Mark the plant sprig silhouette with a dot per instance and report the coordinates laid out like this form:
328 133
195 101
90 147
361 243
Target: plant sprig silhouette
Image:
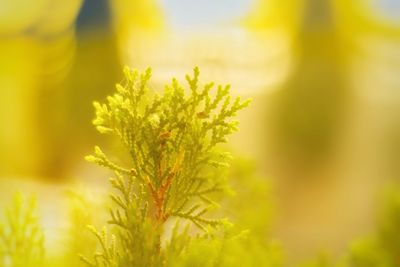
171 140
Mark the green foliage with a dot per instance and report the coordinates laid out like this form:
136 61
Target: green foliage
211 249
383 247
83 209
171 140
21 237
224 246
322 260
255 212
250 210
368 253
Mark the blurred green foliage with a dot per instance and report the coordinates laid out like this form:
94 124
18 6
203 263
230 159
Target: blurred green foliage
382 247
21 236
246 243
378 249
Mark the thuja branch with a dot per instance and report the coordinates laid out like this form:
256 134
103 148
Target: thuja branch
21 236
171 139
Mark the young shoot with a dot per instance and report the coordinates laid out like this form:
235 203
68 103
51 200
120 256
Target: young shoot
173 173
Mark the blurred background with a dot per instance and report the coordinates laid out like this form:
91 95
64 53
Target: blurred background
323 127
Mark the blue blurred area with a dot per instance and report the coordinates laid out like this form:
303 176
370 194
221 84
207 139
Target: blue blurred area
94 13
388 8
190 14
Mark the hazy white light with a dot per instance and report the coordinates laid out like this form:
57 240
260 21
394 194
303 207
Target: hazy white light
190 14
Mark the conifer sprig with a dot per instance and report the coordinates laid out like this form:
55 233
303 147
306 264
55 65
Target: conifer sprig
170 139
21 237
